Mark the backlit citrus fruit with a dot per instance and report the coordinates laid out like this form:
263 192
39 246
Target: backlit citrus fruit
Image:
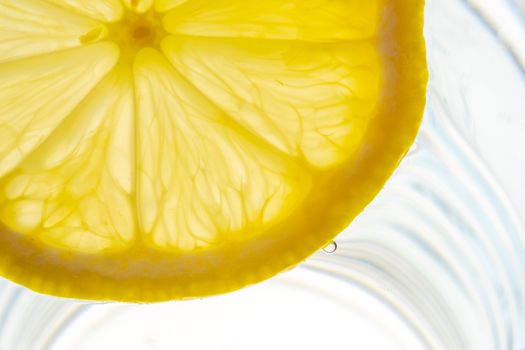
168 149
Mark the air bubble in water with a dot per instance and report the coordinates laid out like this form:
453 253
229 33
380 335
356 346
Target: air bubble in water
331 248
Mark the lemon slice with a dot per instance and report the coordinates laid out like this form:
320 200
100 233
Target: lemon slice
171 149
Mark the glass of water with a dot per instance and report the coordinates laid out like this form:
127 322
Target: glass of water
437 261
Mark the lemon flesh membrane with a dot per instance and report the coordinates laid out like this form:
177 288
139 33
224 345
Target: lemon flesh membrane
171 149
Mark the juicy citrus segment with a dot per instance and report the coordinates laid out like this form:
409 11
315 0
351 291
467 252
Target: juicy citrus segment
166 5
307 99
201 181
312 20
104 10
74 191
140 6
30 28
38 93
170 149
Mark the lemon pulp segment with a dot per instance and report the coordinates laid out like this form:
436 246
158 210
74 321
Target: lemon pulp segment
169 149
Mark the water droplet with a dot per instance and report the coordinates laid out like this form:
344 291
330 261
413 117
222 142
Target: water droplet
331 248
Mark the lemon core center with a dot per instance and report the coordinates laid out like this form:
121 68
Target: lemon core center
137 31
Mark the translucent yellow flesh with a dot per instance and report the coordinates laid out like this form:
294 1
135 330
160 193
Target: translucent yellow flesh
308 100
103 10
201 180
74 191
311 20
216 146
138 128
38 93
165 5
138 5
30 28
